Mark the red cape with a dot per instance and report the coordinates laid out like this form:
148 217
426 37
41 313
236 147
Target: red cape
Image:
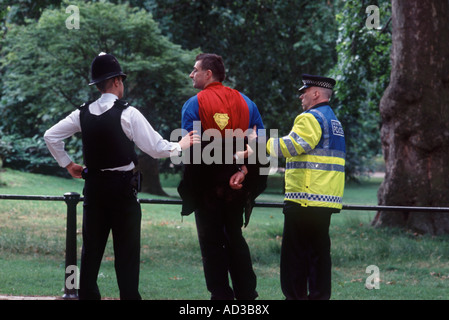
222 108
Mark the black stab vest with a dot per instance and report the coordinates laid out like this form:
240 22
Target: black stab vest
105 145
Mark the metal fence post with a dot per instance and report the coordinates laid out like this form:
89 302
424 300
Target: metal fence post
71 199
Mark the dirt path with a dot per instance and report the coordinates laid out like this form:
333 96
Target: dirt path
6 297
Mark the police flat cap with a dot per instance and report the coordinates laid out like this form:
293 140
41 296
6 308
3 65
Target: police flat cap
309 80
105 66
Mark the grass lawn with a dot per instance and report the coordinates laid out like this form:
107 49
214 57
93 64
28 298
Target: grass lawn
32 247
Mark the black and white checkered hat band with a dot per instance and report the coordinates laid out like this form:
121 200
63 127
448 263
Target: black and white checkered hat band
316 83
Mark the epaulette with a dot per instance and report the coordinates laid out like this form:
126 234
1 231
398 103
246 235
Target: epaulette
84 105
121 104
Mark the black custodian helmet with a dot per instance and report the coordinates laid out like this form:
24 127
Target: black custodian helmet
103 67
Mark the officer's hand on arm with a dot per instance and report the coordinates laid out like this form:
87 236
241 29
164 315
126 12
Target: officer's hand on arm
189 139
237 178
253 134
75 170
244 154
249 151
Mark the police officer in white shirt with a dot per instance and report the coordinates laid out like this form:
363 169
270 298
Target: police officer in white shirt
110 129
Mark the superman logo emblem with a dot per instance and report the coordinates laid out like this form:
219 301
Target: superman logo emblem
221 119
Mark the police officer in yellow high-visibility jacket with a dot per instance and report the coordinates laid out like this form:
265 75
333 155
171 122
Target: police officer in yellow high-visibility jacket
314 183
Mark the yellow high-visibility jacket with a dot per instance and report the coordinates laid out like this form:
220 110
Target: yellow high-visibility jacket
315 158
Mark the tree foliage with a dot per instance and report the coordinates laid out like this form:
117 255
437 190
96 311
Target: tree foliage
266 45
18 11
46 66
362 73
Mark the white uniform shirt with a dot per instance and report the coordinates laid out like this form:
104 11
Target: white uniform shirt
134 125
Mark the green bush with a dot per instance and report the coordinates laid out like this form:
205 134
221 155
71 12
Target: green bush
28 154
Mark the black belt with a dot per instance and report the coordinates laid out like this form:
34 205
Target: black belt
135 177
105 173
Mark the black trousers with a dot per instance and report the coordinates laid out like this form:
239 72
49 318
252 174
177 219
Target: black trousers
224 249
305 253
110 205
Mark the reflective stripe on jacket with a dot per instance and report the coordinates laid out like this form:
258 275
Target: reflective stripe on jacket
315 159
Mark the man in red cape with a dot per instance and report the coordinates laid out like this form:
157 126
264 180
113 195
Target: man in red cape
206 189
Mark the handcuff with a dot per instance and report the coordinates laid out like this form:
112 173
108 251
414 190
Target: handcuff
239 168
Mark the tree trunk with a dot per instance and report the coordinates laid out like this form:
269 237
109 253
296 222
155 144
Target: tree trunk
150 171
415 117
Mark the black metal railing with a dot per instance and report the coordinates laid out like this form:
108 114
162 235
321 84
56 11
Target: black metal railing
72 199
